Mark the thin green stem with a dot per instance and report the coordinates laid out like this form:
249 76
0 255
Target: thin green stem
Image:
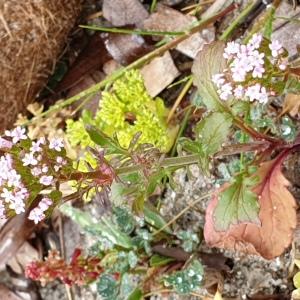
183 92
153 6
132 31
137 64
228 32
181 130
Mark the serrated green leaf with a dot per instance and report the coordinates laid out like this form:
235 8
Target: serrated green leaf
104 141
237 204
208 62
212 131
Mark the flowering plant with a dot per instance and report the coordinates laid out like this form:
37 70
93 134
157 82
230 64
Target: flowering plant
252 70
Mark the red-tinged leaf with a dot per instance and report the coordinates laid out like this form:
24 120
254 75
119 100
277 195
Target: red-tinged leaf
277 215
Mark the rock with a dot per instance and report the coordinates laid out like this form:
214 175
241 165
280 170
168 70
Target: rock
168 19
124 12
159 73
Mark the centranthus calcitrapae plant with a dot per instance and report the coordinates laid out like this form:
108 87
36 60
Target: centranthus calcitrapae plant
246 213
235 81
31 172
252 71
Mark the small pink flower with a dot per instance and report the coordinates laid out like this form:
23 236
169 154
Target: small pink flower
45 203
258 72
225 92
36 215
45 169
35 147
5 143
239 92
36 171
218 80
255 41
18 207
29 159
56 144
231 48
17 134
46 180
276 48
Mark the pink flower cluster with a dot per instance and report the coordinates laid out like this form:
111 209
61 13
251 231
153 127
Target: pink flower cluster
13 192
246 66
37 214
38 163
41 158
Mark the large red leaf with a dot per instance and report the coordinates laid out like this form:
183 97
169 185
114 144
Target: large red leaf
277 215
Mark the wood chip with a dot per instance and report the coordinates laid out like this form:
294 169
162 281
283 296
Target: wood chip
159 73
168 19
124 12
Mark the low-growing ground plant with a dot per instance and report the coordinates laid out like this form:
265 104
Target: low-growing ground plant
124 146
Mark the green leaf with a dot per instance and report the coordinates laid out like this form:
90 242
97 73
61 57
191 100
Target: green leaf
188 280
104 141
104 227
136 295
237 204
212 131
208 62
155 219
158 260
124 219
107 287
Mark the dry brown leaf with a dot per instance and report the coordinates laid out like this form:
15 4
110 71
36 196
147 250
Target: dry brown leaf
291 105
124 12
277 215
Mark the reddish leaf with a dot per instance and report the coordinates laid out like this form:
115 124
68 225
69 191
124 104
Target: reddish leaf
277 215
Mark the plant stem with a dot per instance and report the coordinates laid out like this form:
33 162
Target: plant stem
179 98
181 130
132 31
153 6
137 64
228 32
